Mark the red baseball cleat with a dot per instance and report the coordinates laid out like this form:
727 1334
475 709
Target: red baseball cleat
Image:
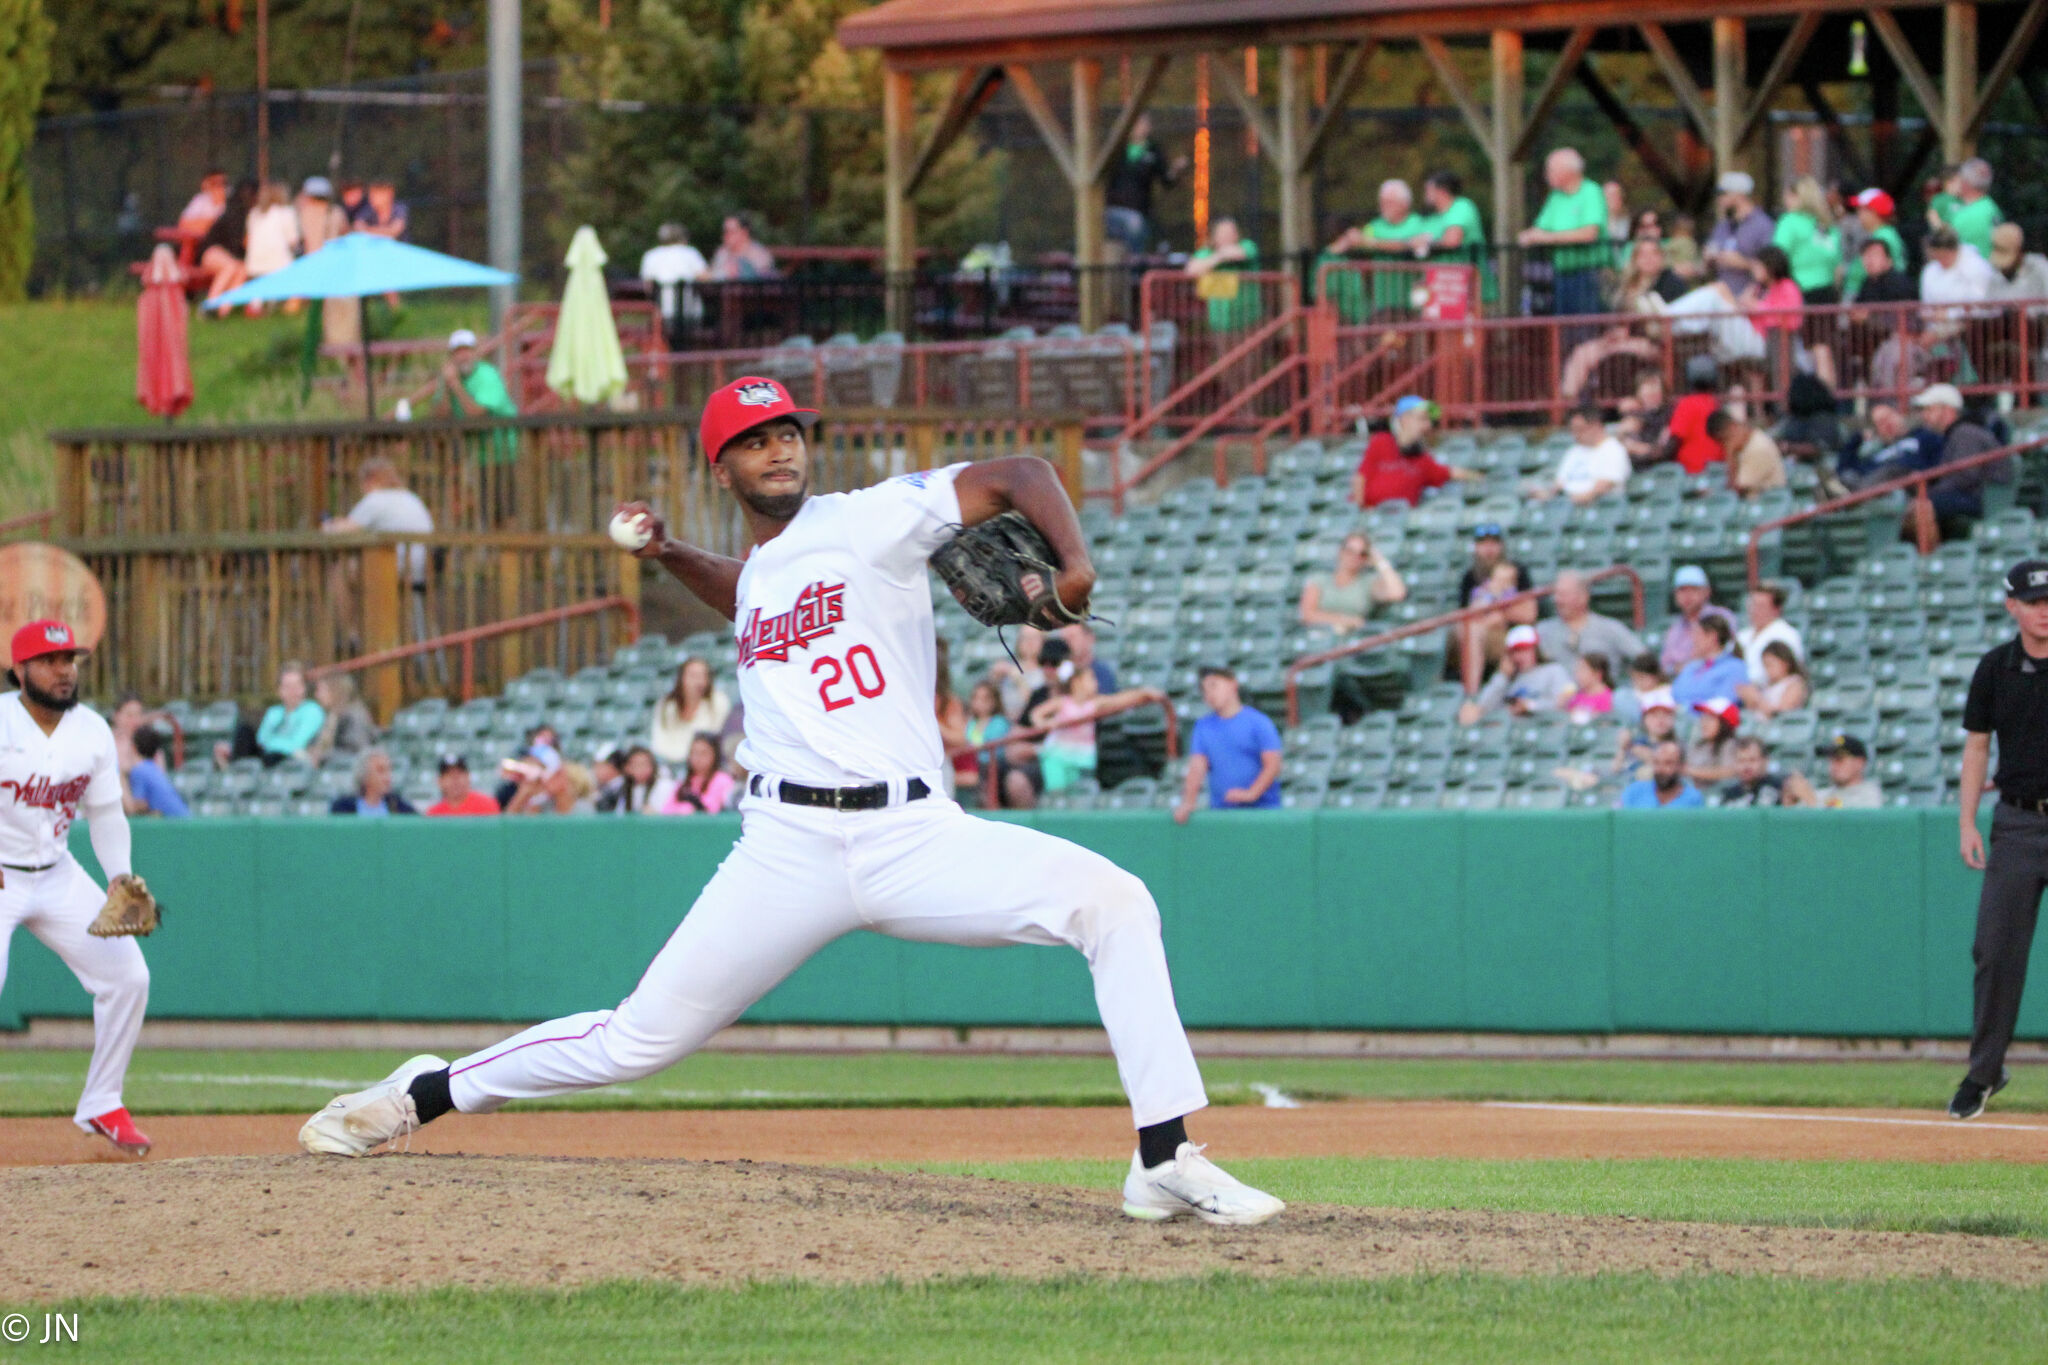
116 1127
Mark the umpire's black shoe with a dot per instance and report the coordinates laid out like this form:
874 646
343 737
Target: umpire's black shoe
1970 1096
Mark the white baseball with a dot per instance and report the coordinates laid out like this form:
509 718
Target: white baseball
630 532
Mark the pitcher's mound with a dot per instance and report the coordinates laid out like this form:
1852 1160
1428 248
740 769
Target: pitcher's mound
295 1225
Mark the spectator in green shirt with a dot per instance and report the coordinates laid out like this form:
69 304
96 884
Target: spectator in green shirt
1972 212
1807 235
1398 232
1457 233
1231 306
1574 221
472 388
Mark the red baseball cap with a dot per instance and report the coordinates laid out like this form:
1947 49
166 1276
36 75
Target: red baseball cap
38 638
1877 201
1722 709
742 405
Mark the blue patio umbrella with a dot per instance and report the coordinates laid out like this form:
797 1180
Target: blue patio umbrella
360 264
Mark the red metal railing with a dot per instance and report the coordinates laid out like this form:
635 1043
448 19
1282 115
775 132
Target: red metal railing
1449 618
16 525
1149 696
1926 533
467 640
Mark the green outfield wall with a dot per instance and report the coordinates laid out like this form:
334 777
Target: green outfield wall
1715 921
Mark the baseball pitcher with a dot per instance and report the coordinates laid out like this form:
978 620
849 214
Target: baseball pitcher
844 822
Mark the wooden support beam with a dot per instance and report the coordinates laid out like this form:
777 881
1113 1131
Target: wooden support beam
1669 177
899 217
1296 230
1223 68
1731 100
1567 65
1089 193
1958 80
973 88
1047 122
1789 53
1510 149
1447 75
1342 82
1924 90
1135 102
2017 47
1690 98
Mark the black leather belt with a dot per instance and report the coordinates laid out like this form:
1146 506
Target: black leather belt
12 868
872 797
2037 807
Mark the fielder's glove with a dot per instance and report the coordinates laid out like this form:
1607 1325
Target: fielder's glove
130 909
1003 572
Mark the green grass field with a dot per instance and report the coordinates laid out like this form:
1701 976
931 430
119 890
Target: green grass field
1436 1319
37 1082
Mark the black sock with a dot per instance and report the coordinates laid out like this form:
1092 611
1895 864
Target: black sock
1158 1142
429 1091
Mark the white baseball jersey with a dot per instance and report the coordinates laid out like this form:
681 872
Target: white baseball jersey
836 650
46 779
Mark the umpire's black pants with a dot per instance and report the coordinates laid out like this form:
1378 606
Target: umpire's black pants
2014 877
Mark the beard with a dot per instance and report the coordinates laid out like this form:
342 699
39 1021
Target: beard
774 506
46 700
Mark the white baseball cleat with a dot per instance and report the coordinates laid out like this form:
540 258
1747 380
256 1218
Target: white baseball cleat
351 1125
1191 1185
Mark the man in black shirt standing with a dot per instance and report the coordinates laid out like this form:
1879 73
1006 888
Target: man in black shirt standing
2008 698
1137 167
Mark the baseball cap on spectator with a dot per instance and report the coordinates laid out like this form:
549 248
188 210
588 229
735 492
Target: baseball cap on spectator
742 405
1522 637
1721 709
1846 746
1736 182
1942 395
450 762
46 636
460 338
1411 403
2027 581
1488 530
317 187
1659 699
1690 576
1877 201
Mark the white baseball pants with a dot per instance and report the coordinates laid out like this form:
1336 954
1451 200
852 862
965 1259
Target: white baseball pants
924 870
56 906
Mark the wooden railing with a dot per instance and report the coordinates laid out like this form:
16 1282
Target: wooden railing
1449 618
560 473
209 616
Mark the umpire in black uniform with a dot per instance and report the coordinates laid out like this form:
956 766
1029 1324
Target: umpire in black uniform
2008 698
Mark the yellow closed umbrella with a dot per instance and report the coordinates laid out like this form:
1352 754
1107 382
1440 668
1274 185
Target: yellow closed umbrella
586 363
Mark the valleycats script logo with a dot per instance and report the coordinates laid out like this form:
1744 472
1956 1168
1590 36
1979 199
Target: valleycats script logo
40 793
817 612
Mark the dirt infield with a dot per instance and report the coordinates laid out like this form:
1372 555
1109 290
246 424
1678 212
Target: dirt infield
858 1136
249 1226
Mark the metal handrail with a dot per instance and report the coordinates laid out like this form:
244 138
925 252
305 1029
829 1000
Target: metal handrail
1184 442
1449 618
468 639
1926 534
1147 696
23 523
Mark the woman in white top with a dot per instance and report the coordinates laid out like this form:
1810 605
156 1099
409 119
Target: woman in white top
693 706
273 231
1785 687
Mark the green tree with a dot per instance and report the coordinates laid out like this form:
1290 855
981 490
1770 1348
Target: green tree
24 66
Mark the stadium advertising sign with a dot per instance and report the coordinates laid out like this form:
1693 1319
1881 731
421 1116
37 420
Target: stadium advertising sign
38 580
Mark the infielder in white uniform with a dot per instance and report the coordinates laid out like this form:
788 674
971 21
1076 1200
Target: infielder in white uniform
56 757
845 826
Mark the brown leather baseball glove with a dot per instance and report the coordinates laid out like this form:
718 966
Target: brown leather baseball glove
130 909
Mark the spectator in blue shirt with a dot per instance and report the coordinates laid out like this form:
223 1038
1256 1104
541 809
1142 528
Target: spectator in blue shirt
1235 749
1716 669
373 796
149 788
1666 787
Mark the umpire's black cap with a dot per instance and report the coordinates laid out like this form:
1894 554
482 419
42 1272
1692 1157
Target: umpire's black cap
2027 581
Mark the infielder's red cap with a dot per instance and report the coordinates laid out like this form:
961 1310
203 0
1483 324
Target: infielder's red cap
38 638
742 405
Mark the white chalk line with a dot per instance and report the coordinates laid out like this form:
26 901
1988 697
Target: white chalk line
1759 1114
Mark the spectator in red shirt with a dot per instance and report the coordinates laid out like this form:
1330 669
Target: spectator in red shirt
1686 439
457 796
1397 466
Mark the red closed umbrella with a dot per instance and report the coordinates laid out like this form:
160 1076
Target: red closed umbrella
163 362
